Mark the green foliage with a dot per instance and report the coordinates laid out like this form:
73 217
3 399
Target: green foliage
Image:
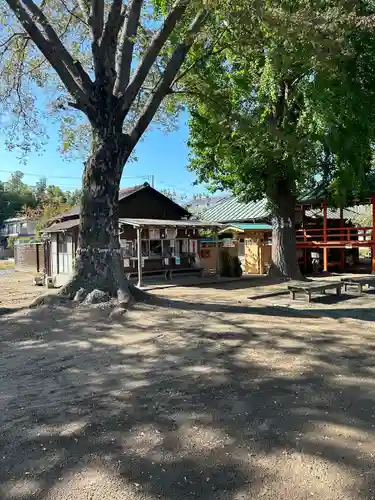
41 201
14 195
287 94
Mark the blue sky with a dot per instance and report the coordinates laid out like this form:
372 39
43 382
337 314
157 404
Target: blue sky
163 155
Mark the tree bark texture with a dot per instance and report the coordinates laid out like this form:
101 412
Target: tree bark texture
284 251
98 259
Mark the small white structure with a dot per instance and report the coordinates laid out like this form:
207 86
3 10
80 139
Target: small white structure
63 237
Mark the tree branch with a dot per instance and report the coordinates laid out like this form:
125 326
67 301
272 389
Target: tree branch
85 9
10 38
202 58
96 19
96 22
104 60
76 81
73 14
5 46
125 47
152 52
170 72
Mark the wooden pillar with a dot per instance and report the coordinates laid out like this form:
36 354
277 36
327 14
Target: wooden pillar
139 257
37 258
373 236
217 265
57 254
325 249
342 238
305 260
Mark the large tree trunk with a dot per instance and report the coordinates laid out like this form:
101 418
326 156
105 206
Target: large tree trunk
98 259
284 251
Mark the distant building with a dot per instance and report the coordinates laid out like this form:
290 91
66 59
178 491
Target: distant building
197 206
139 203
17 227
254 219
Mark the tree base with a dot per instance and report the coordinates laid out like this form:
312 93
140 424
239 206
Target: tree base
94 290
115 293
276 273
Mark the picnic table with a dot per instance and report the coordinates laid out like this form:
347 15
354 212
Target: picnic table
359 282
309 287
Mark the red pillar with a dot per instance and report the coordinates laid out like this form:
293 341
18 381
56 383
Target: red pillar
304 235
342 250
325 249
373 236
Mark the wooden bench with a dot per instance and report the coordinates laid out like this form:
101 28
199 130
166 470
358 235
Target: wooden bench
184 270
308 287
358 282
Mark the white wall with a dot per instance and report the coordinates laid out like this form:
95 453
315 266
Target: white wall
54 253
66 258
63 259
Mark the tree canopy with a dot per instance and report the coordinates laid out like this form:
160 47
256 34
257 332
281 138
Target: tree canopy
287 98
293 100
57 56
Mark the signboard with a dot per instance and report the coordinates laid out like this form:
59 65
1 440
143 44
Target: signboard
154 234
170 233
193 246
348 247
177 261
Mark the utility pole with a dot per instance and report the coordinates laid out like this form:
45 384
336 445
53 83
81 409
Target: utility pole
152 180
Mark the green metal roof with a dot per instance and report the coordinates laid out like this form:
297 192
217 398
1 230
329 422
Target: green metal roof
317 193
230 209
237 213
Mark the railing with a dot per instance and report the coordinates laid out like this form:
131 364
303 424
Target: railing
342 235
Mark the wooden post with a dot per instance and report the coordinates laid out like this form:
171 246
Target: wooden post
373 236
37 258
325 249
342 250
139 257
57 254
217 265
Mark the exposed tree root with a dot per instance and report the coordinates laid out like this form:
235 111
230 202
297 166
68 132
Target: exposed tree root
117 293
275 273
48 299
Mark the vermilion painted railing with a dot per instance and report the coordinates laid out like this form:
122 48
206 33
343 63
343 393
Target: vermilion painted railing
341 235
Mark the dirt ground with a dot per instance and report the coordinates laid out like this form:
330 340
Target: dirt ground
17 289
226 392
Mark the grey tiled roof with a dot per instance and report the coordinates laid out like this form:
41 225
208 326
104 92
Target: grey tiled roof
199 205
332 213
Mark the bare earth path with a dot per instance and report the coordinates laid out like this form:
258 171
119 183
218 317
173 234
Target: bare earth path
216 396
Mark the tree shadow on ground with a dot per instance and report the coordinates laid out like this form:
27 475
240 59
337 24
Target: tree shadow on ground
288 309
180 404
